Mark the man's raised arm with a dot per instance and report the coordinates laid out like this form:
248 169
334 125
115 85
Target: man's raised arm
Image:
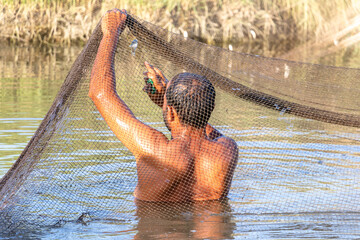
135 135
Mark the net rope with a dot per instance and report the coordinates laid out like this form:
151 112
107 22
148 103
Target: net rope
75 168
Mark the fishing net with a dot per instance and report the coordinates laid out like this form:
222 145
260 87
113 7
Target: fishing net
296 126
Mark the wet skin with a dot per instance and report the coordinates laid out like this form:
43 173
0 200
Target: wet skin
196 164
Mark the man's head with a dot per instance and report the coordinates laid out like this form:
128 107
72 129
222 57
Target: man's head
193 98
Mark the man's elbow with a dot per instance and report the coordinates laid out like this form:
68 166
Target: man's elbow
96 95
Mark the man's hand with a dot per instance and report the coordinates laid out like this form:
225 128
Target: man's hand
113 22
155 87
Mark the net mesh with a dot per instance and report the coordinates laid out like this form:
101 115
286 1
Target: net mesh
296 127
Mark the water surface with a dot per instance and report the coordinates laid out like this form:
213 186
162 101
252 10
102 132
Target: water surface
315 165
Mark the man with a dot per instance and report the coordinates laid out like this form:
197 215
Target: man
198 162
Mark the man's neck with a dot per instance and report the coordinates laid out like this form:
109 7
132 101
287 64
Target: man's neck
188 132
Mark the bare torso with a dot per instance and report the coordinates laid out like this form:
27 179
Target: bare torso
198 164
207 175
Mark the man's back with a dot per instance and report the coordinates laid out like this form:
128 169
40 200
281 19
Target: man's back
208 166
198 163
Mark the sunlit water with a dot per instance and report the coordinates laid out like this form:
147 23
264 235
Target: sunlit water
311 163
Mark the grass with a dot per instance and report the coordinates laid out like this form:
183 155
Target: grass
47 3
316 17
262 21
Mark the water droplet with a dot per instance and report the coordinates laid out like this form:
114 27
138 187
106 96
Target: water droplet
287 71
253 34
133 46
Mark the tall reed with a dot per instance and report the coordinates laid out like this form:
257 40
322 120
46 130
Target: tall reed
265 22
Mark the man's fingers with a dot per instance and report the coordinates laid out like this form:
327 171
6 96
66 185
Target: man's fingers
148 89
158 72
149 75
113 20
122 13
118 13
146 79
147 83
159 81
151 72
149 67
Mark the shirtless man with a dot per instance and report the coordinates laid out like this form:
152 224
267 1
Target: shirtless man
198 162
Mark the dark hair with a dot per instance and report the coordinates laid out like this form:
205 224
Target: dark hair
193 98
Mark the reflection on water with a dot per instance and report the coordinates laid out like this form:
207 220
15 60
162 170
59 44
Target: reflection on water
315 165
199 220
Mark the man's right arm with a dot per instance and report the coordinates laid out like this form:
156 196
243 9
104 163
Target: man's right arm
160 83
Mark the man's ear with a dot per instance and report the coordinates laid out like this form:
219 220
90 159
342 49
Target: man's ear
175 116
170 113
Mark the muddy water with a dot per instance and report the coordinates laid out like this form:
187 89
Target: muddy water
312 163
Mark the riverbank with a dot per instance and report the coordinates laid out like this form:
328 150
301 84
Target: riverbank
213 21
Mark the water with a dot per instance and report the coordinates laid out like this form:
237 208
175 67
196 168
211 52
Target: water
312 163
30 80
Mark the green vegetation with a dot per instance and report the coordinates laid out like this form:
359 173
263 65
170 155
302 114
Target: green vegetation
261 21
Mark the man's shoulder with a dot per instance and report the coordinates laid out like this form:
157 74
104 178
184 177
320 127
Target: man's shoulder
222 145
227 148
226 141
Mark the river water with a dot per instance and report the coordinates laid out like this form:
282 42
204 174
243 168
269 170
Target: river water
311 163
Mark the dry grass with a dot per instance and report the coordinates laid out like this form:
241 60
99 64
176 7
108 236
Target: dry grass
262 21
48 22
